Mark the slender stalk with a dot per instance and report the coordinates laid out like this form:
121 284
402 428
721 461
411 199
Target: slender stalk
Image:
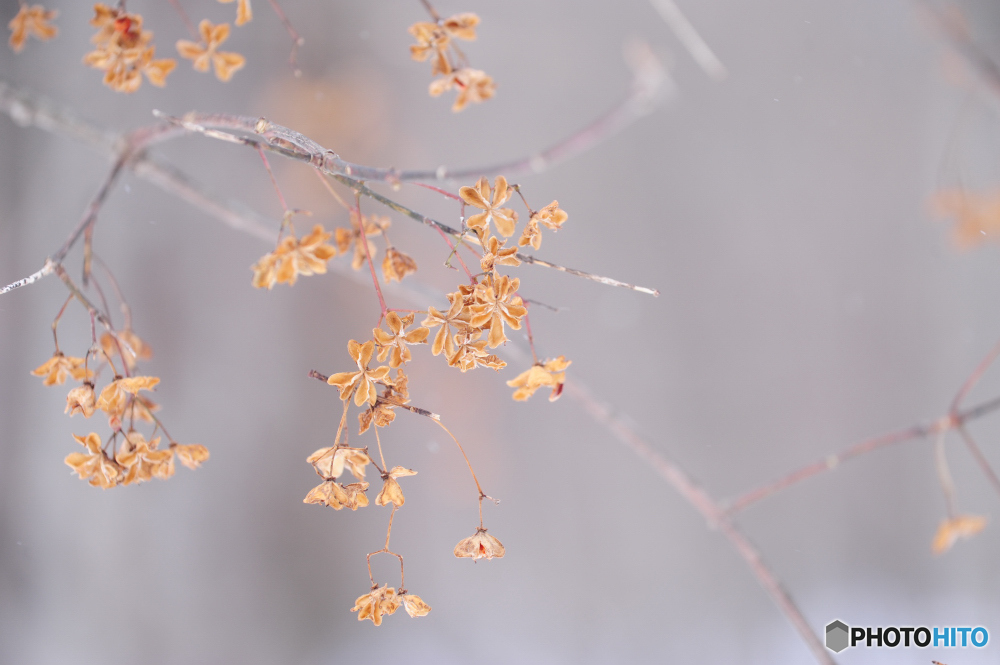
363 239
297 39
479 487
980 458
944 474
684 485
46 270
973 378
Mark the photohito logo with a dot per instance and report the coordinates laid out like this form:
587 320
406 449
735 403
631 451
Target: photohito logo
839 636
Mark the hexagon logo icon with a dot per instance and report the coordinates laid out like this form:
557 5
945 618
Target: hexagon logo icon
837 636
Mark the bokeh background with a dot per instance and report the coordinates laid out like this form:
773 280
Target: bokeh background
809 300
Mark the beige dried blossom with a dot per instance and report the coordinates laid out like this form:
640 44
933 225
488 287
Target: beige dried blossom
552 216
414 605
33 21
382 414
470 352
347 238
396 265
113 397
124 51
495 254
489 200
480 546
244 14
391 491
431 40
362 382
328 493
551 373
337 496
461 26
293 257
395 341
331 462
962 526
191 455
379 602
473 85
94 466
142 461
81 400
496 305
447 61
206 53
58 367
457 315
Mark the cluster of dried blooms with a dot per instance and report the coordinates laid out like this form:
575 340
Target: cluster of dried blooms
469 329
954 528
474 323
127 457
34 21
436 42
124 51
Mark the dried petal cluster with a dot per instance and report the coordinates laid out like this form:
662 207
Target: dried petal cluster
480 546
337 496
58 367
124 51
31 21
132 458
361 383
435 43
136 460
347 239
394 343
489 200
391 491
476 321
383 601
961 526
550 373
551 216
293 257
206 52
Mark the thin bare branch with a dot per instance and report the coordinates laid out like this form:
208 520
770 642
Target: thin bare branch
46 270
980 458
689 37
586 275
709 509
973 379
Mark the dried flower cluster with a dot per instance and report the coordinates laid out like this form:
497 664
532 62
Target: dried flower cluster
206 52
31 21
475 322
953 528
293 257
124 51
127 456
436 42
